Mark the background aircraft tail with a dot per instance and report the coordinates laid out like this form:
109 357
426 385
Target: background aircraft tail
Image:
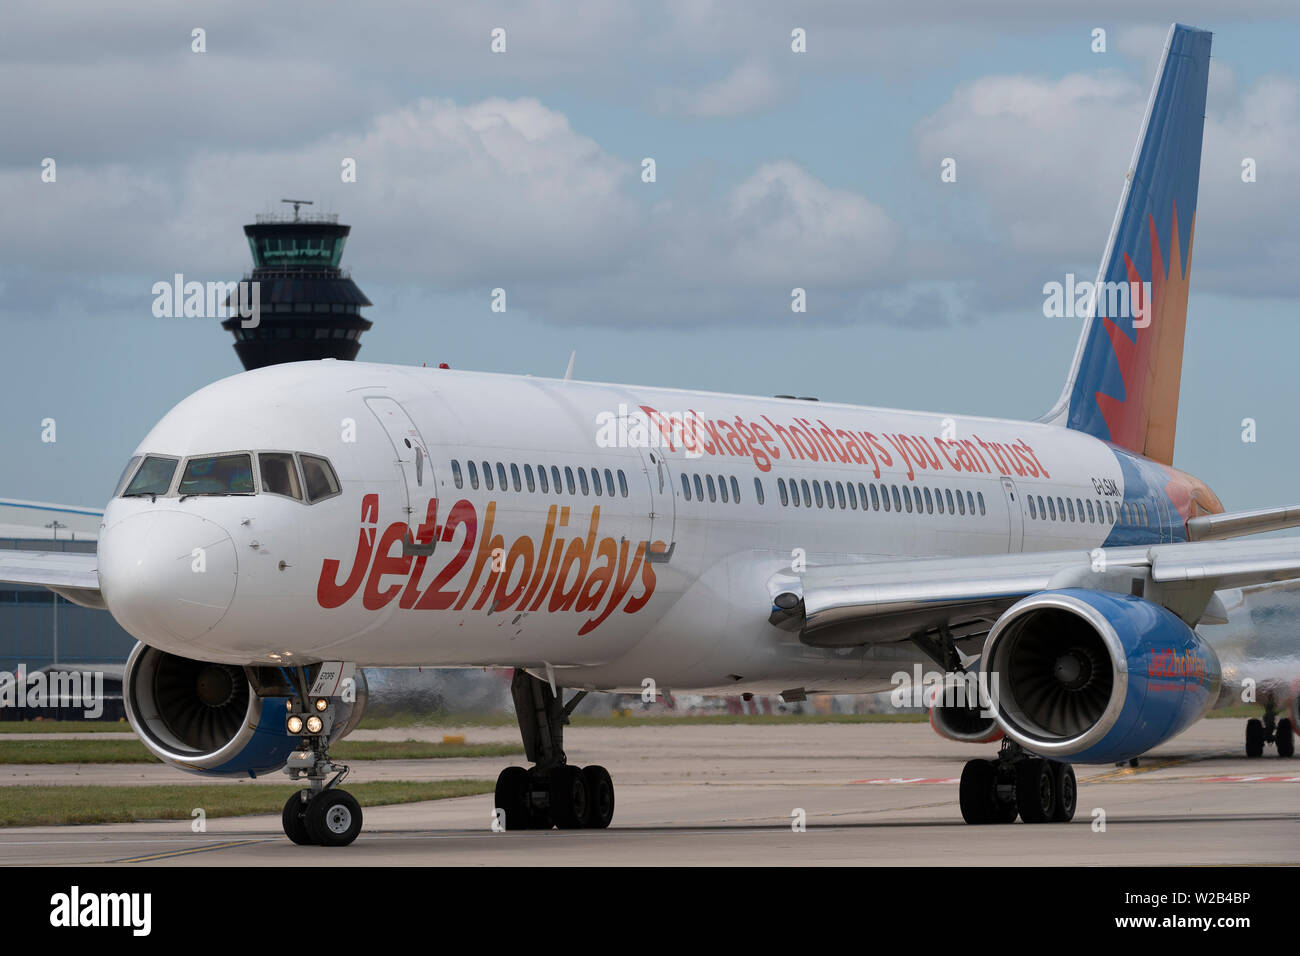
1123 384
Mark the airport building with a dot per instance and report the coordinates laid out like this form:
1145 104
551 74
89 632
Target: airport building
308 306
38 628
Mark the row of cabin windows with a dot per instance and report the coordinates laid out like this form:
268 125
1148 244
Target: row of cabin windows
575 480
725 488
1082 510
846 495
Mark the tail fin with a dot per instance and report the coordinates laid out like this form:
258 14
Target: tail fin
1123 385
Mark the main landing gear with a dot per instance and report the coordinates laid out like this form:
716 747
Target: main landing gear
1267 731
1017 783
320 814
551 792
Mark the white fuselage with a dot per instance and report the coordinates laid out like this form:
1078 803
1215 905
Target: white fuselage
545 577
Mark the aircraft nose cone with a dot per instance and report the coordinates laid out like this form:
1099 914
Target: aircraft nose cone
167 575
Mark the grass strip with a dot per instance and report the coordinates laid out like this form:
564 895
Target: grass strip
46 806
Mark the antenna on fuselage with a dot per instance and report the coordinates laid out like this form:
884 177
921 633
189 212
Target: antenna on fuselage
568 372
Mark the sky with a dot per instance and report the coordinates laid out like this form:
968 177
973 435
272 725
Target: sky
524 170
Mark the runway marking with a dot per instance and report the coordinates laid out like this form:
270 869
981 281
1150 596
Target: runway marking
1122 772
909 780
188 852
1250 779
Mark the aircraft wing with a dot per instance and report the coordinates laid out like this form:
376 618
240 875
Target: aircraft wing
869 603
71 574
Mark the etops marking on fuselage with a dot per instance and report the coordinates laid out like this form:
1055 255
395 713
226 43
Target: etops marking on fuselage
592 574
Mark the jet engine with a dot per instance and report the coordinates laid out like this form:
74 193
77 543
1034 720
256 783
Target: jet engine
207 718
1089 676
964 724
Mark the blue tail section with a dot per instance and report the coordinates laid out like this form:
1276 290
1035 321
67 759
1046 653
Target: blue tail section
1124 384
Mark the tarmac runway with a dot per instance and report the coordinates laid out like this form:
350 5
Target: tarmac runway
875 794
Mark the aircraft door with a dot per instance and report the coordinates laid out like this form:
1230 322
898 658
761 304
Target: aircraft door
1015 516
663 505
412 455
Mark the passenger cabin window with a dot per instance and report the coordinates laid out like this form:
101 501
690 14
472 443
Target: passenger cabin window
528 477
735 490
555 480
541 480
153 478
217 475
514 476
280 475
686 487
758 490
319 477
622 483
473 475
487 475
780 490
699 489
455 474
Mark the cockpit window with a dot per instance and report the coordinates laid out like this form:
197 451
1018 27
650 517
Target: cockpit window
153 478
217 475
279 474
318 477
126 473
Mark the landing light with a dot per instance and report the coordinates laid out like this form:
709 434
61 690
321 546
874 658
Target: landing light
314 724
321 704
295 724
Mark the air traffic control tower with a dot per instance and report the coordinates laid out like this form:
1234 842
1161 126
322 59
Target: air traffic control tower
308 307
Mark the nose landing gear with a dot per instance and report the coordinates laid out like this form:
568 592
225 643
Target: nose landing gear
321 814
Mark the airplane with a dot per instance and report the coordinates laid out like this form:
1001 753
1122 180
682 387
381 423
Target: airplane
280 529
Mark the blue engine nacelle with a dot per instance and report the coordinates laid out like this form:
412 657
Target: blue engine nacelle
1096 677
206 718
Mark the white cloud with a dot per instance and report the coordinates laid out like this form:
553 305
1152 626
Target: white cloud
467 197
748 88
1046 159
